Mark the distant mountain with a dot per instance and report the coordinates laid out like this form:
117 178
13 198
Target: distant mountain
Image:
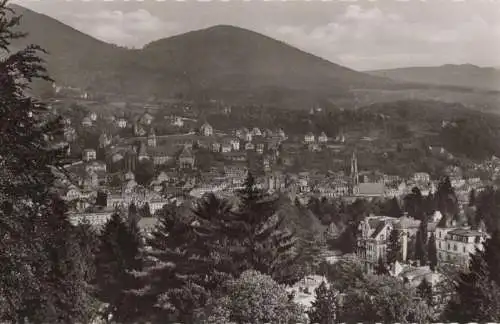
465 75
221 61
74 57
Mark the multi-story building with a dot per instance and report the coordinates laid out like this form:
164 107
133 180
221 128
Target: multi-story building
89 154
372 241
309 138
455 244
206 129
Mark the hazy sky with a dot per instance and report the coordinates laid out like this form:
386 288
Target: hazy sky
363 34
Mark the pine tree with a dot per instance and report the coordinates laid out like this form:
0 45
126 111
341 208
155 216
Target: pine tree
424 290
421 242
432 252
146 210
478 297
118 255
30 161
62 270
381 267
176 277
394 209
394 249
324 308
133 214
472 198
268 246
492 256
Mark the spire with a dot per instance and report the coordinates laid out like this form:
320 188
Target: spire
354 169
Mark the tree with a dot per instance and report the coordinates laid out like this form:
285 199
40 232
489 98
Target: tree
267 244
394 210
492 256
30 216
381 267
146 210
255 298
144 172
101 199
382 299
475 288
421 242
133 214
175 279
472 198
118 255
410 248
394 249
432 252
62 271
424 290
324 308
447 202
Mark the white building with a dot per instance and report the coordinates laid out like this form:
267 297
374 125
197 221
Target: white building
206 130
89 155
309 138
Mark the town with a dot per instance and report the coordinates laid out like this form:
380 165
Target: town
154 157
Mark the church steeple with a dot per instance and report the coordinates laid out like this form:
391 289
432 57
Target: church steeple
152 138
354 170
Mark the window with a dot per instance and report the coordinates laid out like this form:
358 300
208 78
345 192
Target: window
449 246
454 247
439 245
464 249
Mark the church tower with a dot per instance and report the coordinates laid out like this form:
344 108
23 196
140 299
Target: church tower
354 170
152 138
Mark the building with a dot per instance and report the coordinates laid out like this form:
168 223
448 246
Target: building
322 138
309 138
93 116
454 245
121 122
146 118
89 155
104 140
421 177
206 129
186 158
86 122
372 241
256 132
152 138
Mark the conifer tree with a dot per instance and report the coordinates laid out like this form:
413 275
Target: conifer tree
324 308
492 256
118 255
432 252
394 249
381 267
394 209
421 242
424 290
268 245
28 217
62 271
478 297
176 277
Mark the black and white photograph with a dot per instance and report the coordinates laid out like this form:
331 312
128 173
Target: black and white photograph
249 161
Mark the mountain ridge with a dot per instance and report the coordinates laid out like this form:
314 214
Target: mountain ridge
461 75
223 62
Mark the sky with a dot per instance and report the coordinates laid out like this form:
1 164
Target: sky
362 34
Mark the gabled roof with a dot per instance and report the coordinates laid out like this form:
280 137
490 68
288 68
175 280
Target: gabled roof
380 227
186 153
371 189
